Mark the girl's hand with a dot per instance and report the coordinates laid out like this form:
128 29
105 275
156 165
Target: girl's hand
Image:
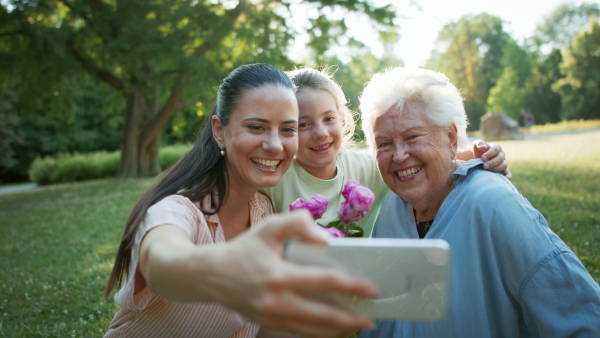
493 157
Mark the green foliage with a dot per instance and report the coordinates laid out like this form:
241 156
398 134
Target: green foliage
80 167
542 101
158 56
9 121
469 51
579 90
510 93
88 123
559 27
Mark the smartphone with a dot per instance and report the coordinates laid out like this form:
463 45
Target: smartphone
412 274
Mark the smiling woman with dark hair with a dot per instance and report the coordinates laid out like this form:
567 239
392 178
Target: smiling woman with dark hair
198 270
511 275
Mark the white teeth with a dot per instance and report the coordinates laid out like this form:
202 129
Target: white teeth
408 173
321 147
270 164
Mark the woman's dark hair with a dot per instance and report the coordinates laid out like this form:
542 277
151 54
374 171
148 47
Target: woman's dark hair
202 170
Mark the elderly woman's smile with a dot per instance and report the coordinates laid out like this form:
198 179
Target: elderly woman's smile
415 156
409 174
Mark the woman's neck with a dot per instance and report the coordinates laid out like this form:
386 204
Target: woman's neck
430 208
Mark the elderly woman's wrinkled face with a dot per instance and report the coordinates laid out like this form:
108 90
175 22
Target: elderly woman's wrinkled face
415 156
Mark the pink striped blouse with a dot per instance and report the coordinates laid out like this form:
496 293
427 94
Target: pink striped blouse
147 314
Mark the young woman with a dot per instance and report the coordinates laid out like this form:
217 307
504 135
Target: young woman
325 160
193 272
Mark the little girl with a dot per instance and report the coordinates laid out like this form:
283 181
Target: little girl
325 160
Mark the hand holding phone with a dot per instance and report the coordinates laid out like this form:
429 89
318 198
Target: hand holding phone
412 274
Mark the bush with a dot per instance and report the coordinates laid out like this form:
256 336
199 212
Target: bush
80 167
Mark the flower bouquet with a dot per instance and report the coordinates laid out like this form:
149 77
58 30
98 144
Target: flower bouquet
358 201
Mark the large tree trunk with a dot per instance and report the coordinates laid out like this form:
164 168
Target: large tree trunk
140 137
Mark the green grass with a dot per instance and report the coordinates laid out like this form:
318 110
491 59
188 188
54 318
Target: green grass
556 127
560 176
57 243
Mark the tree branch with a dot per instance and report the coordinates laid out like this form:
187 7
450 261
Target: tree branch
154 127
97 72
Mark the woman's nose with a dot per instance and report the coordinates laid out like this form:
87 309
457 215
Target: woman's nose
400 153
273 143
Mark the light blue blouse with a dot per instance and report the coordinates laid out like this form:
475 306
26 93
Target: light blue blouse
511 276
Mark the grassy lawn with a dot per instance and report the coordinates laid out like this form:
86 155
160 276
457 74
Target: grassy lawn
57 243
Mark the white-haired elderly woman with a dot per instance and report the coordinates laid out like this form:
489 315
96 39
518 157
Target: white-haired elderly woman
511 275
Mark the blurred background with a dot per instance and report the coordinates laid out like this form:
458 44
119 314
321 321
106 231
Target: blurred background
93 90
131 77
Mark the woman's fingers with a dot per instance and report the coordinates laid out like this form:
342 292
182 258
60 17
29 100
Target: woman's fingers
297 224
312 317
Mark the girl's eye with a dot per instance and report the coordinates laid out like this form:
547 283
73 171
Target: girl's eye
330 119
302 125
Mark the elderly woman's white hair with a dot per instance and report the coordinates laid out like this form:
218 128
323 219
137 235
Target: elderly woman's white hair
397 86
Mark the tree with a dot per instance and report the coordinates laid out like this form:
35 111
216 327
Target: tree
159 55
579 88
558 29
510 92
469 51
542 100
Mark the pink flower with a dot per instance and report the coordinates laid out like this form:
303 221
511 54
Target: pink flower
335 232
349 215
298 204
350 185
317 205
346 213
361 198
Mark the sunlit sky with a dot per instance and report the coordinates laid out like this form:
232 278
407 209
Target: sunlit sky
420 28
421 23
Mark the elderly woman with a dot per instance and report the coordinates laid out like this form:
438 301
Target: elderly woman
511 275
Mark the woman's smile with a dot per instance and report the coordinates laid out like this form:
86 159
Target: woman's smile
266 163
409 173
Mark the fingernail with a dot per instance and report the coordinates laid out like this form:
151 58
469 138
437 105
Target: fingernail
486 166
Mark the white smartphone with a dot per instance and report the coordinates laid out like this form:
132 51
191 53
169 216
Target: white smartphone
412 274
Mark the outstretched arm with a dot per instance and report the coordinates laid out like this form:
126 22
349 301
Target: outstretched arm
491 153
249 275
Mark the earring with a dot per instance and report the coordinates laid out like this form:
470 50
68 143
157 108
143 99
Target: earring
222 152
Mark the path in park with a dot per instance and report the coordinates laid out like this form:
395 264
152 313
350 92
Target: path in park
11 189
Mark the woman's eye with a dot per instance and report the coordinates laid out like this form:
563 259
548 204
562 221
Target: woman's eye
255 127
412 137
382 144
289 130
